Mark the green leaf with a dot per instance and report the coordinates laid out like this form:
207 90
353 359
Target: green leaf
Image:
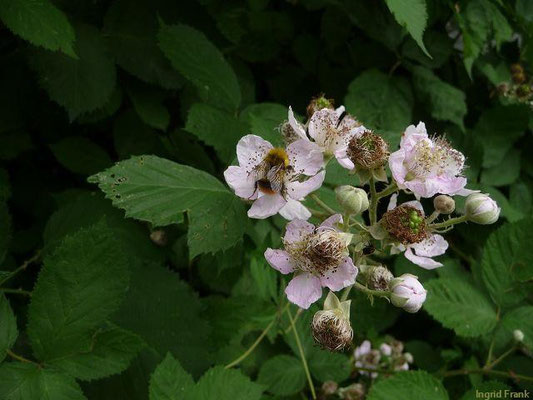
170 381
216 128
441 48
80 85
327 366
8 328
445 102
226 384
80 155
264 120
412 15
458 305
111 351
148 103
507 257
40 23
198 60
5 229
498 128
412 385
80 285
131 29
520 318
381 102
25 381
156 190
282 375
167 314
265 278
505 173
520 197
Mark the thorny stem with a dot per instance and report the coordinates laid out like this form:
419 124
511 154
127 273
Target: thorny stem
24 265
21 359
434 215
346 222
450 222
500 358
302 355
16 291
327 208
388 190
244 355
372 212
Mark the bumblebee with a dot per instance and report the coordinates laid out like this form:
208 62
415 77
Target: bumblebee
271 172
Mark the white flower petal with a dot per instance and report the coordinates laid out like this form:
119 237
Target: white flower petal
251 150
305 157
266 206
298 190
294 210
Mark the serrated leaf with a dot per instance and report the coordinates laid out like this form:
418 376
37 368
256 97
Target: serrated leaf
111 351
282 375
8 327
80 285
412 15
131 30
80 155
265 279
505 173
170 381
460 306
148 102
167 314
216 128
507 257
226 384
198 60
381 102
40 23
328 366
412 385
265 119
445 102
520 318
153 189
80 85
25 381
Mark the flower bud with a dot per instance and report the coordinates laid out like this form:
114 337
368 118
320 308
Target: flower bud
331 326
481 209
329 388
353 200
356 391
159 237
318 103
444 204
408 358
379 277
518 335
385 349
407 293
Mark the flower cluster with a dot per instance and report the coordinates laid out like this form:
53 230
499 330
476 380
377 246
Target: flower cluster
388 357
331 250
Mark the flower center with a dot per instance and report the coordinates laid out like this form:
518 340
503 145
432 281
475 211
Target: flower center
433 158
406 224
367 151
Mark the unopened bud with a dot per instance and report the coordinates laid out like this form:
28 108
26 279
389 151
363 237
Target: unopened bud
318 103
518 335
481 209
356 391
329 388
353 200
408 358
407 293
385 349
159 237
331 326
379 278
444 204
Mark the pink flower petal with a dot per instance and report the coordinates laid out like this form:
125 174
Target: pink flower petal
342 277
241 182
331 222
251 150
450 184
294 210
296 126
393 201
397 167
303 290
266 206
305 157
320 123
412 135
298 190
433 246
296 230
280 260
424 262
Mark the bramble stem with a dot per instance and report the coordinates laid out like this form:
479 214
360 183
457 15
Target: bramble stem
244 355
450 222
302 355
500 358
327 208
20 358
372 211
24 265
434 215
388 190
16 291
346 293
364 289
504 374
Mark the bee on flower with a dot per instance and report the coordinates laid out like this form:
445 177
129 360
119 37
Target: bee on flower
273 178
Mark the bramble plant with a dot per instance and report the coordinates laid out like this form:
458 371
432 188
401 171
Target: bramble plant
266 200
